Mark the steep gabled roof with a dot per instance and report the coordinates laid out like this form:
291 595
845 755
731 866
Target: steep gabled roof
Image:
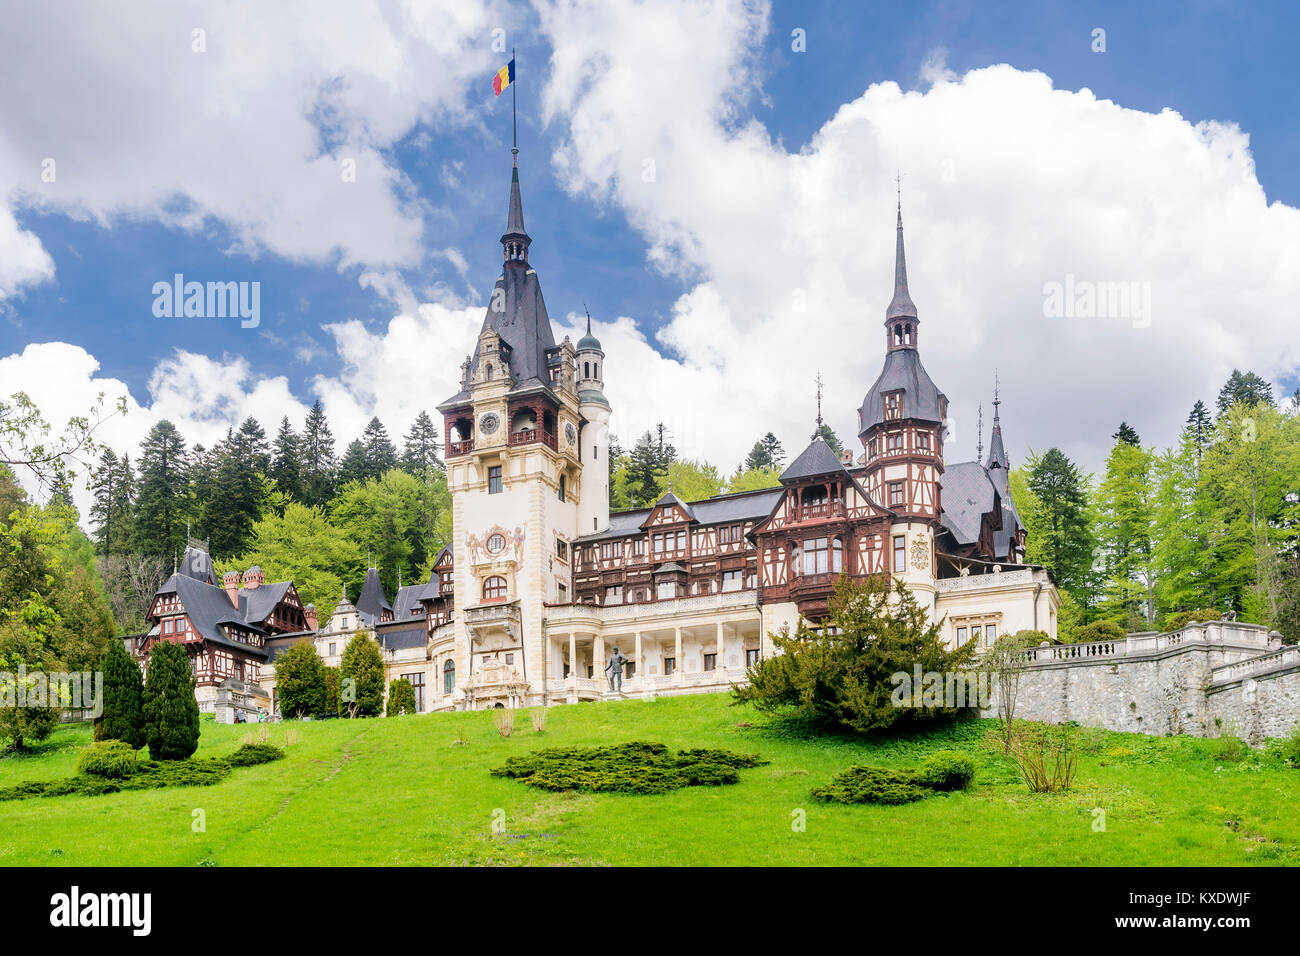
258 603
209 608
817 459
372 602
968 495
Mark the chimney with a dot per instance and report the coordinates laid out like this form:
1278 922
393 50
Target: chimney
230 581
312 616
253 578
846 457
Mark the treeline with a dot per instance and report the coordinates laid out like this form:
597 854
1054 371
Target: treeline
1211 523
289 504
639 477
53 613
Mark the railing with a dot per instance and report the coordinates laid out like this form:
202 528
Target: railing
974 582
824 510
1279 660
455 448
524 436
1213 633
622 612
491 613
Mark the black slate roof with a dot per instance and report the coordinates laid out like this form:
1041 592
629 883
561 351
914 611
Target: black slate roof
372 602
817 459
208 609
968 495
720 509
402 634
258 603
904 372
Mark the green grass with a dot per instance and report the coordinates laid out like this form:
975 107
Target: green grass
402 791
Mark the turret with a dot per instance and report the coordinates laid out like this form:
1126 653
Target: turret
589 360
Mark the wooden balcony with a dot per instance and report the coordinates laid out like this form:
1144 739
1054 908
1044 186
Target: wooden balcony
526 436
455 448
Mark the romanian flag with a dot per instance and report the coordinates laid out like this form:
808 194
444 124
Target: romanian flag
505 76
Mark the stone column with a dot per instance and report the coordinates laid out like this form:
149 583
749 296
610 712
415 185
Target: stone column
722 650
598 659
572 682
678 668
638 658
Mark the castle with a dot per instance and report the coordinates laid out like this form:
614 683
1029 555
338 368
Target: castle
542 583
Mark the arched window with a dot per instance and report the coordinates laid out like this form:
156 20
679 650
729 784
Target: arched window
597 368
561 487
586 370
494 588
448 676
837 556
489 371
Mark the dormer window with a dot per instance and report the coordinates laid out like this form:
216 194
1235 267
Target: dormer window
893 405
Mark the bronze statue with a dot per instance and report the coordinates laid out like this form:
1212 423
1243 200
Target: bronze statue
614 670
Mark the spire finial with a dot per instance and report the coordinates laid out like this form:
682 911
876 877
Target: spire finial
979 433
817 433
584 309
996 400
901 307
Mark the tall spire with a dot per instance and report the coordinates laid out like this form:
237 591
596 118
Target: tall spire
997 452
900 318
515 240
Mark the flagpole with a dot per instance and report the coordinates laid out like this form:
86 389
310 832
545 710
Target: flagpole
514 127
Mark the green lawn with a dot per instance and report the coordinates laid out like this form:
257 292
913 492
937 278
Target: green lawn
403 791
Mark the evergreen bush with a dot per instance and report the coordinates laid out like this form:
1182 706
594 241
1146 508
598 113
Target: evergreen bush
1097 631
946 770
108 758
252 754
635 767
123 714
171 714
1176 622
872 785
401 698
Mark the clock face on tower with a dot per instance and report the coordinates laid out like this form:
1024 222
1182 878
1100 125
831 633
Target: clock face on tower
489 423
570 433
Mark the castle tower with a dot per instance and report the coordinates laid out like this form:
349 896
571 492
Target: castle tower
514 470
901 428
593 511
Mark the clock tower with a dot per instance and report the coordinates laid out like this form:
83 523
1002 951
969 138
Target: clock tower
514 468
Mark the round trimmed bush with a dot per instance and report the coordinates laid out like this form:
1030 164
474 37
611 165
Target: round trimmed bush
114 759
946 770
1097 631
1180 620
872 785
252 754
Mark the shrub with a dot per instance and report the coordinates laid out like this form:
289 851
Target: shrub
171 714
636 767
539 720
1047 755
1097 631
841 676
872 785
252 754
1229 748
300 680
505 721
401 697
123 714
361 677
1176 622
149 775
108 758
1291 746
946 770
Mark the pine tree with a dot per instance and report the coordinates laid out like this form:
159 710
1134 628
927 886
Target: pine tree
1065 542
420 453
361 677
238 502
318 462
286 469
767 453
1199 429
162 495
1247 388
1125 508
1128 435
112 486
644 469
171 714
354 466
827 434
123 698
381 455
250 446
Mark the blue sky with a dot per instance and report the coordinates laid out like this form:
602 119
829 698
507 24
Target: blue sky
591 243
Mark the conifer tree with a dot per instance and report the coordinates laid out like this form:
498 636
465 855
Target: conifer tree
354 466
250 446
767 453
420 453
1245 387
286 470
1127 434
123 714
112 484
171 714
1065 539
318 461
162 493
381 455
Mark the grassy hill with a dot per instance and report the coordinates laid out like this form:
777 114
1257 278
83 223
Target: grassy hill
404 791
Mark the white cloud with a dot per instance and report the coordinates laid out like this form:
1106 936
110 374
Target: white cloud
260 131
1008 184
